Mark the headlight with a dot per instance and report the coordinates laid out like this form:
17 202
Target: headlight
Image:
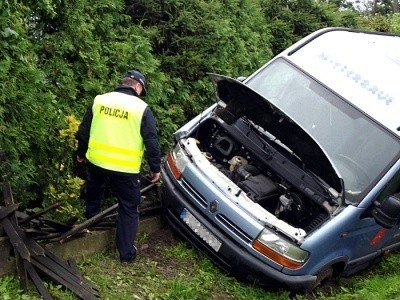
177 161
280 250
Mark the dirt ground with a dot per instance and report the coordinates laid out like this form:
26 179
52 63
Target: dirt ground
164 239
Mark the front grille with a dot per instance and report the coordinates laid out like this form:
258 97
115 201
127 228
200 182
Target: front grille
233 228
220 218
195 195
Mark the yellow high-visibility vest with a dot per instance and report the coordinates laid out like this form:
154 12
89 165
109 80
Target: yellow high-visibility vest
115 141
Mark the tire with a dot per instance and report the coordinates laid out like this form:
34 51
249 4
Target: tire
323 275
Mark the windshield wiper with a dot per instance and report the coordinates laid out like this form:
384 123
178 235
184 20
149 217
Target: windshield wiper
329 193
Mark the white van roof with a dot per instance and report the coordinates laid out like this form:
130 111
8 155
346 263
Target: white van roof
362 67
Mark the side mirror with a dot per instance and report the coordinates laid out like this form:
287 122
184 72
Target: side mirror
387 213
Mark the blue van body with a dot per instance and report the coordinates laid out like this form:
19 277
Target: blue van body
293 175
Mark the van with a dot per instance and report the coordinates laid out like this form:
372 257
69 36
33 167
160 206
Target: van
292 176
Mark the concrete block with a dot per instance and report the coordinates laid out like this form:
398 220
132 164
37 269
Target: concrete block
7 261
84 245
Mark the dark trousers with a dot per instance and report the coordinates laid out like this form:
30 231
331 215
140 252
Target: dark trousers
126 187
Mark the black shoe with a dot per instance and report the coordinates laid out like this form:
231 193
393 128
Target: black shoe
126 262
129 261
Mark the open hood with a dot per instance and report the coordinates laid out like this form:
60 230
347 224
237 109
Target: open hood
237 100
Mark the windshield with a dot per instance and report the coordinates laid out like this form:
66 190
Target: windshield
359 149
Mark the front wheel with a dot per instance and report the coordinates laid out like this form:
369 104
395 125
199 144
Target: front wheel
323 276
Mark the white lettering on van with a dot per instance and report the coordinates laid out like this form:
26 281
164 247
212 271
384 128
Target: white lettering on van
357 78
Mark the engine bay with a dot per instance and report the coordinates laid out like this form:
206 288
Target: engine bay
253 175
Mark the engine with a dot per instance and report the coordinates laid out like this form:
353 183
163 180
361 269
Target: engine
260 184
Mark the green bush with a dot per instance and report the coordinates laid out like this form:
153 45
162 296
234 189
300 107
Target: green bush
26 108
56 56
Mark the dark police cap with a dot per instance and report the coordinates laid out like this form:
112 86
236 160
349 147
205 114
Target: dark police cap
134 74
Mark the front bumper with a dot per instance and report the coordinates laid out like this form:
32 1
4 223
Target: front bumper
231 257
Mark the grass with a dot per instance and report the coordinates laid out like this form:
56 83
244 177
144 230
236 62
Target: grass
179 272
170 269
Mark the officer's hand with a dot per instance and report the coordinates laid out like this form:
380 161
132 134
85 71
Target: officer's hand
155 177
80 160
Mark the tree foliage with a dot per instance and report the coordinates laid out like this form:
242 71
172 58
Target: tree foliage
56 55
290 20
26 105
195 37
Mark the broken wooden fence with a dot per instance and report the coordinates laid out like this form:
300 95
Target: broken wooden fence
34 261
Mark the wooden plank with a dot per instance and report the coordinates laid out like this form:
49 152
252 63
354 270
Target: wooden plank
9 226
62 227
72 263
6 259
31 252
6 211
7 194
30 243
47 237
32 232
40 213
97 218
17 236
22 273
66 272
70 267
89 222
37 281
64 265
66 281
15 240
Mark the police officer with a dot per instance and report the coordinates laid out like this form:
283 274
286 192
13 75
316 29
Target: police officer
111 139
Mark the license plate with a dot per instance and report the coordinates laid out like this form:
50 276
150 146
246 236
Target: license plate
200 230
